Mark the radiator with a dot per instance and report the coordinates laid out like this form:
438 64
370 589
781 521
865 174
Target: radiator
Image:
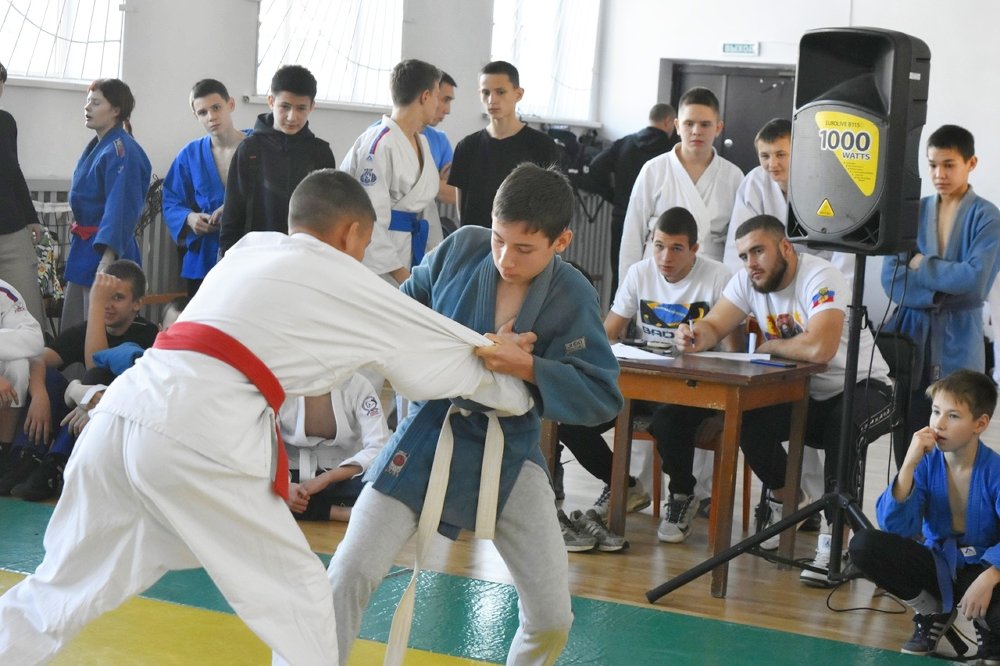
591 246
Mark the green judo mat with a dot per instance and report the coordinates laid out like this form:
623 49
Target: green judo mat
477 619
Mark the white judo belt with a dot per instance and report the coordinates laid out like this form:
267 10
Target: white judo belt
430 518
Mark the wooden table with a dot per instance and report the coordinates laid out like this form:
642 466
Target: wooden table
726 385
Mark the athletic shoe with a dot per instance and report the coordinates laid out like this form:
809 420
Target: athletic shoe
44 482
705 507
927 631
676 524
591 523
821 561
989 646
770 513
636 500
21 463
575 541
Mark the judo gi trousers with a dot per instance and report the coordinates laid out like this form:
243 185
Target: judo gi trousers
137 504
528 539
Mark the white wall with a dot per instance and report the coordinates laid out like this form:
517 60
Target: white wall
170 45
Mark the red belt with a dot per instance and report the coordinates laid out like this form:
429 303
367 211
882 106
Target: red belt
208 340
81 231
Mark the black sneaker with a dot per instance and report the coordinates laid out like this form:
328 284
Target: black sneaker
21 463
44 482
989 646
927 631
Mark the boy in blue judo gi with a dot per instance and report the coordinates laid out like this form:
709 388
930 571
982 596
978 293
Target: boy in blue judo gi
948 488
940 287
549 333
195 187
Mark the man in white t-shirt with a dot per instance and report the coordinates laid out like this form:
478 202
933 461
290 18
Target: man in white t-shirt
674 284
799 301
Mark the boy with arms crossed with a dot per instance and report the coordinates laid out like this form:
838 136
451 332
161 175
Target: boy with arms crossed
940 288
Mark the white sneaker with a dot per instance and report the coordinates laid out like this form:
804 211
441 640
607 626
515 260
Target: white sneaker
676 524
822 561
774 510
636 500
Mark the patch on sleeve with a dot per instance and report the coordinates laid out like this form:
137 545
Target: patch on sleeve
824 295
18 304
576 345
395 465
120 147
368 177
370 406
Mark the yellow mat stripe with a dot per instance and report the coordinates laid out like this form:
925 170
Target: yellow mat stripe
143 632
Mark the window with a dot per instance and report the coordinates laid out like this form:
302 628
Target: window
350 46
553 45
65 40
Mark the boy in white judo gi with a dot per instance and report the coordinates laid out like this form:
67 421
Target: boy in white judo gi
20 340
175 468
331 440
692 176
393 161
507 280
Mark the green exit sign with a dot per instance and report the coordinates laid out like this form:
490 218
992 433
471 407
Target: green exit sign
741 48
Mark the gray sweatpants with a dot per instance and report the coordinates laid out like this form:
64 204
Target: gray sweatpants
528 539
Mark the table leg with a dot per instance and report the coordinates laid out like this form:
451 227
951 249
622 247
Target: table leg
793 475
723 495
620 458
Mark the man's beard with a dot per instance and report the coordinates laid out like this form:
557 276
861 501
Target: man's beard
772 283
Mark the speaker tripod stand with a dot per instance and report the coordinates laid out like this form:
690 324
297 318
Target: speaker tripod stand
841 504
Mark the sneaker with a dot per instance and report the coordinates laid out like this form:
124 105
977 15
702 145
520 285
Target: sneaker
989 646
927 631
636 500
770 513
592 524
44 482
821 561
676 524
575 541
21 463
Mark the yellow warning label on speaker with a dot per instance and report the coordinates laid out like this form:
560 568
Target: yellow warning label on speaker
854 140
825 209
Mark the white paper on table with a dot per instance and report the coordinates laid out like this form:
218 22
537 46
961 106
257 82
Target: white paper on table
734 356
635 353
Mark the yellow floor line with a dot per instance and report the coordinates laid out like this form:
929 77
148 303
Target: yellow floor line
144 632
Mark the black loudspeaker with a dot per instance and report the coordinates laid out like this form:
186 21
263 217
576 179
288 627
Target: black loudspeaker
860 104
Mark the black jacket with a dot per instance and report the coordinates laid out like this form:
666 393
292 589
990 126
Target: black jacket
623 160
266 168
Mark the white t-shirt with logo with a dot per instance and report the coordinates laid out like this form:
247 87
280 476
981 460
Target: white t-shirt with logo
659 306
818 286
